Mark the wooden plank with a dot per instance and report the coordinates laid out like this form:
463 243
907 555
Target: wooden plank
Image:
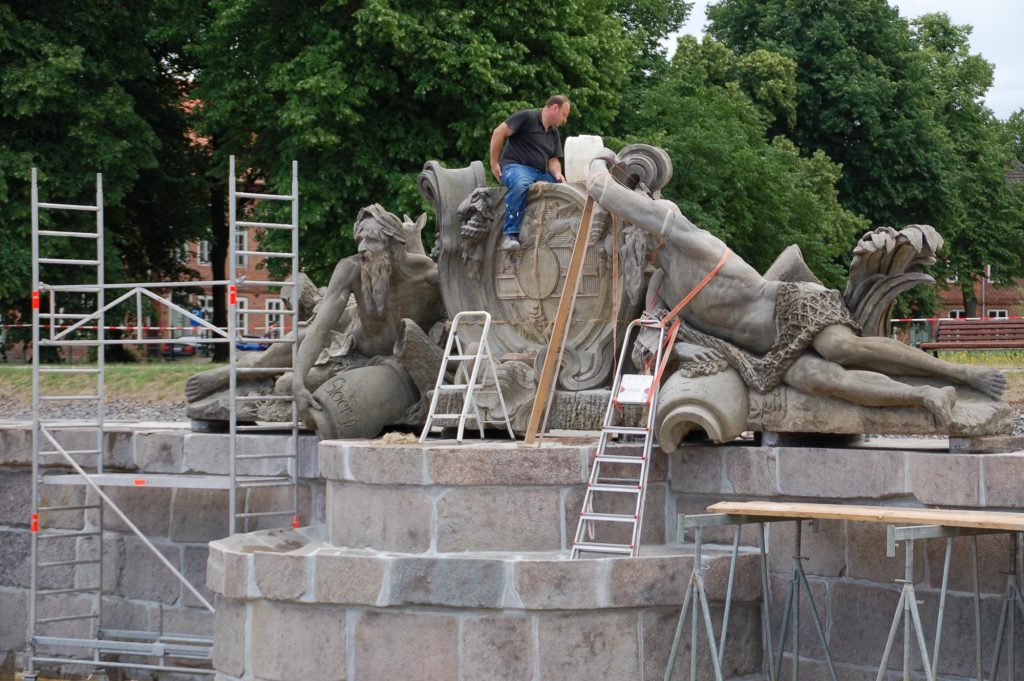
990 520
560 329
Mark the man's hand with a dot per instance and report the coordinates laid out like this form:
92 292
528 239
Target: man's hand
496 171
558 176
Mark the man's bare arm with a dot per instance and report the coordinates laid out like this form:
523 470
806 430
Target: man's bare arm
555 168
498 137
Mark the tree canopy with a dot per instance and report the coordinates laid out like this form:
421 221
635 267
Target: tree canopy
794 122
82 91
899 105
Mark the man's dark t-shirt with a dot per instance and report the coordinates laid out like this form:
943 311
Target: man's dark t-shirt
530 145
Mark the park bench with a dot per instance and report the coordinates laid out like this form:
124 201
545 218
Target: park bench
977 334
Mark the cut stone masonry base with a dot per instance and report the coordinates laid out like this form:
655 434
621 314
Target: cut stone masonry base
442 562
308 610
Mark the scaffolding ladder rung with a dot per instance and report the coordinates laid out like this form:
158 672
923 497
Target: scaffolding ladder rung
67 618
262 310
267 197
264 483
253 370
74 590
265 514
68 261
266 254
68 535
263 398
73 235
67 370
75 452
265 427
85 423
620 458
69 206
264 456
65 563
76 507
625 430
597 547
264 225
65 315
70 288
608 487
610 517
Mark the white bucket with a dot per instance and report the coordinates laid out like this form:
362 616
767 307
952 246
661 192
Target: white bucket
579 152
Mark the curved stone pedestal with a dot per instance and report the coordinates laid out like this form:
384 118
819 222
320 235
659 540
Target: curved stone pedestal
448 563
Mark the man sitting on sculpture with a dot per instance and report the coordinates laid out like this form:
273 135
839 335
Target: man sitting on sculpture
531 155
776 332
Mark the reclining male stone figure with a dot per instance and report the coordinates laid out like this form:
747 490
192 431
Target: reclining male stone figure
776 332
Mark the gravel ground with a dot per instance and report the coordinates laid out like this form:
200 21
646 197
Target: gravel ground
127 410
117 410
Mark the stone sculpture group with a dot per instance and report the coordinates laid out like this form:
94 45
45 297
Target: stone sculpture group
773 352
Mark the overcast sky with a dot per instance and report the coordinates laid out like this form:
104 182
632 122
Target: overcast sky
998 32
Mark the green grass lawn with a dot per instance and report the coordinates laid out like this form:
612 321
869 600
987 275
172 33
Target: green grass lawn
154 382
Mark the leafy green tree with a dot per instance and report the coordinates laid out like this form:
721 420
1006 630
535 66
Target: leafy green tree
862 97
1015 128
82 91
759 194
361 94
899 106
986 214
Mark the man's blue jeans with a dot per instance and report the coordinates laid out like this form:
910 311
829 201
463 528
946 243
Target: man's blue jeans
518 179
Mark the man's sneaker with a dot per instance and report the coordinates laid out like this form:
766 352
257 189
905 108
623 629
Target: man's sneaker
511 243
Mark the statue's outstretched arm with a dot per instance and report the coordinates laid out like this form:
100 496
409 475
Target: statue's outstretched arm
315 338
654 217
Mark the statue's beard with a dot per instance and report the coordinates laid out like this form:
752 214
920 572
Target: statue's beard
634 263
376 278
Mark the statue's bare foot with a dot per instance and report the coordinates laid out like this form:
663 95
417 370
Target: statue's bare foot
206 383
990 382
940 401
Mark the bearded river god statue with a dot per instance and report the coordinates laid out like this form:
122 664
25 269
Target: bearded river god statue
773 352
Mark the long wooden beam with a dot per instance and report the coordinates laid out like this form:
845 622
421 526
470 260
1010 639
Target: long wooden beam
991 520
559 331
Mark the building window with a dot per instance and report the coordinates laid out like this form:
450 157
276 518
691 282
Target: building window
957 314
275 321
243 317
203 253
999 314
241 244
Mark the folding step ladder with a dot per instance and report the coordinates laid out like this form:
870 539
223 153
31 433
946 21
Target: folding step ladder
620 494
466 379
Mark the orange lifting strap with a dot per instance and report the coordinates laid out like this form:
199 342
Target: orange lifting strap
673 314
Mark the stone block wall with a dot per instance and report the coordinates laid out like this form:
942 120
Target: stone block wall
450 563
141 594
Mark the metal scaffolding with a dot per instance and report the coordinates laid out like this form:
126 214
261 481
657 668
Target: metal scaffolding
66 623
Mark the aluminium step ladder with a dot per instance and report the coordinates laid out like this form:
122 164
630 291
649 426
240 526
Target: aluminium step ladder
468 381
615 495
